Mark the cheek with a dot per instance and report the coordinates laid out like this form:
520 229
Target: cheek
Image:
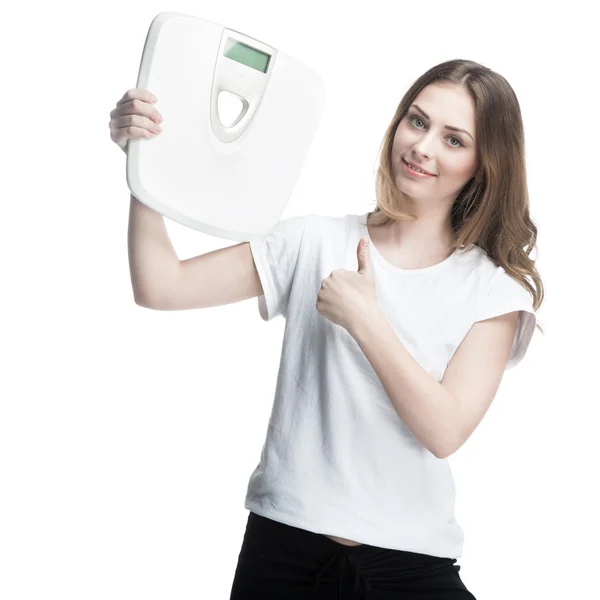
401 145
396 144
402 134
458 166
468 166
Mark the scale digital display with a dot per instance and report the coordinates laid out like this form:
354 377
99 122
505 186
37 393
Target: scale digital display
251 57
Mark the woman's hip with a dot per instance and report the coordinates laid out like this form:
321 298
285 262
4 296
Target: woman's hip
281 561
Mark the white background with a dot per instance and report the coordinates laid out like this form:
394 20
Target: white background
127 436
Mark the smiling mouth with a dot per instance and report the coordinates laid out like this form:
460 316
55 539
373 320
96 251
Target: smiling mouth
418 172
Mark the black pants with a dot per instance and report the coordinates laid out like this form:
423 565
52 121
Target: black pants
279 562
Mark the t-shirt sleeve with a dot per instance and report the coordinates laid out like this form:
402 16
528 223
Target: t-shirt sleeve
276 256
507 295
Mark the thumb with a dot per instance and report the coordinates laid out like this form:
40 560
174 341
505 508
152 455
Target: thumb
364 258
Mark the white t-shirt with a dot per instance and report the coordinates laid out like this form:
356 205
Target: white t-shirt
337 459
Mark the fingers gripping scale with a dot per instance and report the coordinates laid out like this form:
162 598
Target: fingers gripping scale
228 177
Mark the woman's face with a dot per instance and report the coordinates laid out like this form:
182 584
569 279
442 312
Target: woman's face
422 138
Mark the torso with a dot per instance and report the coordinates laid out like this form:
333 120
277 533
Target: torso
402 261
343 541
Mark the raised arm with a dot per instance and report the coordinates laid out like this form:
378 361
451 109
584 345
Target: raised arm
161 281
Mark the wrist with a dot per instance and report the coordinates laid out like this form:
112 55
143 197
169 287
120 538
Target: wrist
366 322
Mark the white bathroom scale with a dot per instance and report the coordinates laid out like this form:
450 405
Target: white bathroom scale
226 174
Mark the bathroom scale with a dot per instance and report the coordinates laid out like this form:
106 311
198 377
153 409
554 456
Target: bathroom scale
239 117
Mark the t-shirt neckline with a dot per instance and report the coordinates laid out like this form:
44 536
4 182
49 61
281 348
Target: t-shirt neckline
390 267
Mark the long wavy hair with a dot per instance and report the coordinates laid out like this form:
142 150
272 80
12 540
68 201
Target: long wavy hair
492 209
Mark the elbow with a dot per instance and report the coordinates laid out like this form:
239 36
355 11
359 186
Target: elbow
442 453
447 449
145 302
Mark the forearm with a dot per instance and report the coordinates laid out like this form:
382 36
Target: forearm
425 406
153 262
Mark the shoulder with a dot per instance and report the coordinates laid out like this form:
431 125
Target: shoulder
497 278
501 293
303 233
327 226
482 267
311 220
330 221
477 259
490 279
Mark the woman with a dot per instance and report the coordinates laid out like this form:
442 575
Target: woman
393 350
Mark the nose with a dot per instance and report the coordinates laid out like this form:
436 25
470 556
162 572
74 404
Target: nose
423 147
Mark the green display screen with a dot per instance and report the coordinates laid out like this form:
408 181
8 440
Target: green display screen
246 55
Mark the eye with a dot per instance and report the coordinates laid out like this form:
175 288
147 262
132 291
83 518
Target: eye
416 117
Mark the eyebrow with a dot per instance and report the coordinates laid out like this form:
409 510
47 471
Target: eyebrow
446 126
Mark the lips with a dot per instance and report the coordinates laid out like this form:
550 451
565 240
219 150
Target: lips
418 167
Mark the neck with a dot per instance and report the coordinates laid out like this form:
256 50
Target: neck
421 235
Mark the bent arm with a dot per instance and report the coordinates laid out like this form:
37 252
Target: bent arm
163 282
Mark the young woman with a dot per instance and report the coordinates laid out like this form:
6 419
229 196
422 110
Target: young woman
393 349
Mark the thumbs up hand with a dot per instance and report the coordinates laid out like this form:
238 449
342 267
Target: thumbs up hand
348 298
